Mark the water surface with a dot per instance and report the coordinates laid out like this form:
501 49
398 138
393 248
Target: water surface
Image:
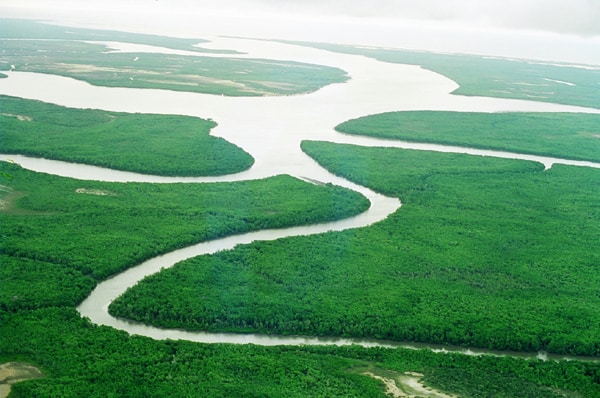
270 129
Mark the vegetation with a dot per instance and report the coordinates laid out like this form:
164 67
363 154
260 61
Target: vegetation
485 252
95 63
80 359
28 29
495 77
51 230
151 144
563 135
55 235
60 235
475 245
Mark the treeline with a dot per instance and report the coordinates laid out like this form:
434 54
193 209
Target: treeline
478 75
61 235
485 252
83 55
144 143
30 29
562 135
80 359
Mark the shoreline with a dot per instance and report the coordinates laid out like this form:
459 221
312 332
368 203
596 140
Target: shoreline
281 156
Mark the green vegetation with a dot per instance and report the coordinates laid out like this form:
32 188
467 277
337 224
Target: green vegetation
563 135
80 359
60 235
28 29
485 252
96 64
151 144
495 77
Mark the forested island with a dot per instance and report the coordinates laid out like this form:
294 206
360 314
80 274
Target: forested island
148 144
497 77
561 135
70 53
500 247
484 253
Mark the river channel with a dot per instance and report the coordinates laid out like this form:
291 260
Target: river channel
270 129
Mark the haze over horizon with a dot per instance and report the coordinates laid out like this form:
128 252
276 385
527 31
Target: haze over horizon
552 30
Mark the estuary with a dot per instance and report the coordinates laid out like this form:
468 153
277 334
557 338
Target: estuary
271 130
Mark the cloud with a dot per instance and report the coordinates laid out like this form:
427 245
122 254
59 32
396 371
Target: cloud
578 17
575 16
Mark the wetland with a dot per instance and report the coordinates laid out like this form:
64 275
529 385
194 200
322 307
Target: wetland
430 230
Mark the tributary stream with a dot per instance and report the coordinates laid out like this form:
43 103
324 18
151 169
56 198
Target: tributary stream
270 129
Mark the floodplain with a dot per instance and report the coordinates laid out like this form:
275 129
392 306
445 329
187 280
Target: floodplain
484 252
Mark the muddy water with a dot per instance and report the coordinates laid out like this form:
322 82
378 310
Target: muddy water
270 129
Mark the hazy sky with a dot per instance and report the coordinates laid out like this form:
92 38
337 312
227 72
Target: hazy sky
580 17
569 28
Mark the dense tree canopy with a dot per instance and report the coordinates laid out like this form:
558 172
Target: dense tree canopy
80 359
485 252
145 143
61 235
562 135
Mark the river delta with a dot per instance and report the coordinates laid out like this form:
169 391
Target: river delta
271 130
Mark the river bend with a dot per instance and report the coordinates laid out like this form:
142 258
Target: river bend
270 129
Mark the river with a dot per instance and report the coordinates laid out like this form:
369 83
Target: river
270 129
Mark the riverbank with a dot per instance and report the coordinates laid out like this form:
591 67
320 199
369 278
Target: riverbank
275 143
14 372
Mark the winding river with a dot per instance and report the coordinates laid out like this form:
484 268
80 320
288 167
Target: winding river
270 129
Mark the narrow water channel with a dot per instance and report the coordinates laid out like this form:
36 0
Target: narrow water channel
270 129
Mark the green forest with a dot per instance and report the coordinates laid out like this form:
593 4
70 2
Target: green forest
479 75
170 145
96 63
484 252
490 253
30 29
83 360
562 135
60 236
55 235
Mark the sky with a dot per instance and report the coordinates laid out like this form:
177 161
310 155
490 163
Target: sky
560 30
